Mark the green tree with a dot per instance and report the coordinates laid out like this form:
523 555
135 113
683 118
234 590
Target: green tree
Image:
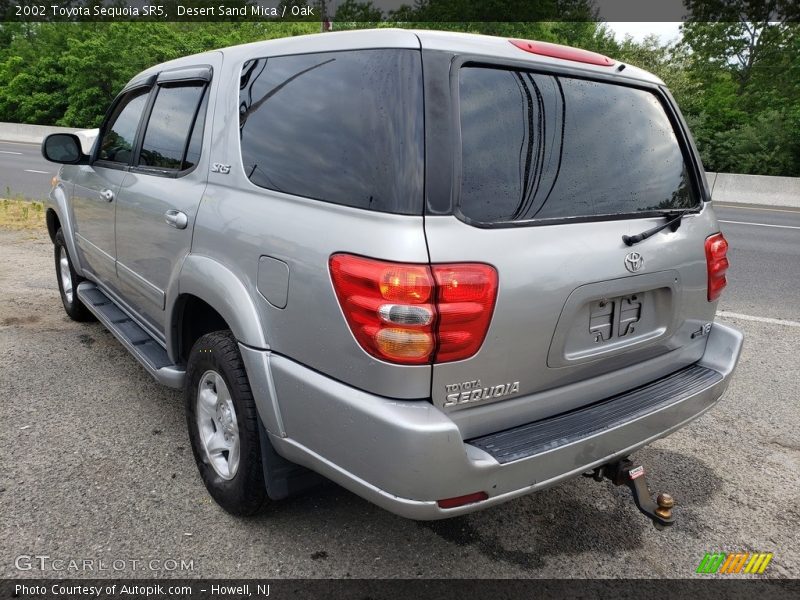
361 12
68 73
735 74
444 11
744 58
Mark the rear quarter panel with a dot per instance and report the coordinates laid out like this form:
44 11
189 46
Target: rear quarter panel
238 223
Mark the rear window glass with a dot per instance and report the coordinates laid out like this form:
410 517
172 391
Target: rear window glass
343 127
538 146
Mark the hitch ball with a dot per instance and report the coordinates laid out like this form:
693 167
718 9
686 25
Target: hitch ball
625 472
665 503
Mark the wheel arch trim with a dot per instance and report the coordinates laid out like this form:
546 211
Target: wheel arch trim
220 288
58 207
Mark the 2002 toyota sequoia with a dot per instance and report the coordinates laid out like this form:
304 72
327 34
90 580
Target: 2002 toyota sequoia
441 270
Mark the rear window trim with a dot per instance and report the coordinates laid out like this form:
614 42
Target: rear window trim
481 61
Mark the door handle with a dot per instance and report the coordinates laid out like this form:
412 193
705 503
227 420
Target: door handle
107 195
175 218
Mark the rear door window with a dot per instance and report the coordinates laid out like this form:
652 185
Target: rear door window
167 140
342 127
537 146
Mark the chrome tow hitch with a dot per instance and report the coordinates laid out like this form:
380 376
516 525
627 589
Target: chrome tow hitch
626 472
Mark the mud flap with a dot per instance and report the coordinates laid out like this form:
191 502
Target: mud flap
283 478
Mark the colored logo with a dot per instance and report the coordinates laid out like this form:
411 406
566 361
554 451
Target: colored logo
737 562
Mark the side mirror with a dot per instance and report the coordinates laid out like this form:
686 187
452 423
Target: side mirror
64 148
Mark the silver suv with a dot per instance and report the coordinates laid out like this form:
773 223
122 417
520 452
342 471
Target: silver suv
441 270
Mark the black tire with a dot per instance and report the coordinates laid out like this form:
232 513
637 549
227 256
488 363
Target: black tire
245 492
72 304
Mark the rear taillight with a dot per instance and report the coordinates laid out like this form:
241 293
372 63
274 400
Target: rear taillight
415 314
465 295
717 265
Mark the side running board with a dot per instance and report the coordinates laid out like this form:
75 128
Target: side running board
138 342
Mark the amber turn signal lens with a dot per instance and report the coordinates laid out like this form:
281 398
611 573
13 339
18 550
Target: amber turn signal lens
415 314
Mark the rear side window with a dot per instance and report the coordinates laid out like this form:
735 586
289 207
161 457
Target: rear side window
343 127
537 147
173 118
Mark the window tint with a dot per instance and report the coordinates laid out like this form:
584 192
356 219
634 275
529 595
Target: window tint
118 138
539 146
168 129
344 127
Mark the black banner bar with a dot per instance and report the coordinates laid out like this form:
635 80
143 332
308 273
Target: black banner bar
408 11
730 588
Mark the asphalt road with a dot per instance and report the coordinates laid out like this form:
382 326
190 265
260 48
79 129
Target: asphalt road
23 171
764 277
96 465
96 461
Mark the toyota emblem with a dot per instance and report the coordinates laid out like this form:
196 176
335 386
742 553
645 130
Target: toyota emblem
634 262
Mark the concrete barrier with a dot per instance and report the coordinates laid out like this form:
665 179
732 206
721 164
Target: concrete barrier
755 189
31 134
34 134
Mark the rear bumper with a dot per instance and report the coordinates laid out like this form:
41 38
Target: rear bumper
405 455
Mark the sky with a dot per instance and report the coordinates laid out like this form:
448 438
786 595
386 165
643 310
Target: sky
666 32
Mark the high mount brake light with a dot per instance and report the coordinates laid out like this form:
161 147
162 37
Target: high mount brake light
716 264
563 52
415 314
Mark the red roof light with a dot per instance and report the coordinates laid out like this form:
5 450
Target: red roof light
563 52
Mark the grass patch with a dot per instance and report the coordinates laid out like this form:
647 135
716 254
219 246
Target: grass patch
22 215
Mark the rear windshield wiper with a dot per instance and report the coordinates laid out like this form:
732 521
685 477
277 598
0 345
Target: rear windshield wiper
673 222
